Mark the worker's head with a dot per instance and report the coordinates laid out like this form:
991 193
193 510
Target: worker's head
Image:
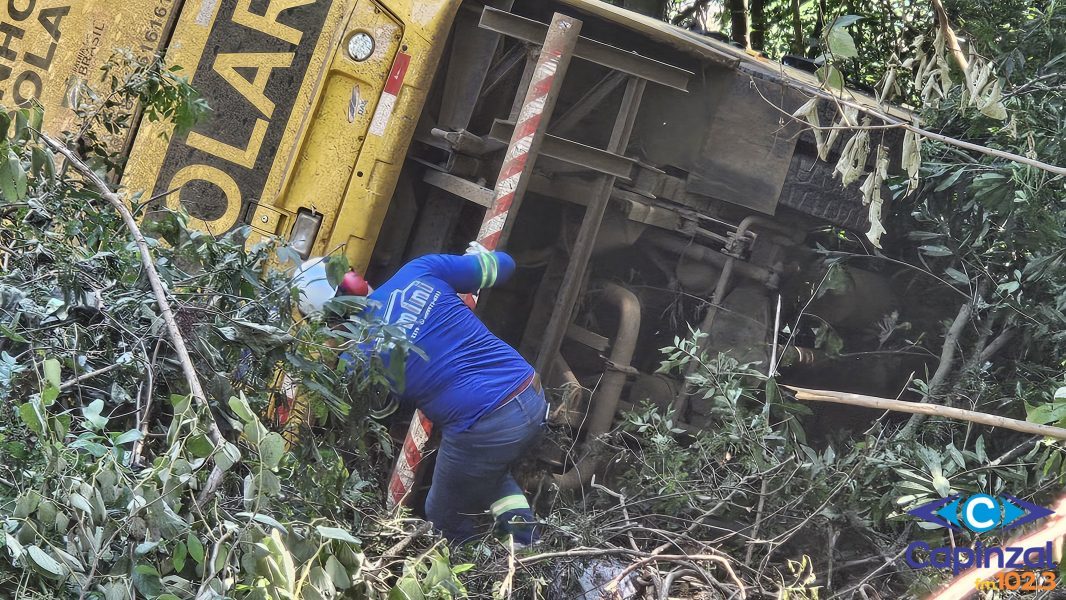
315 289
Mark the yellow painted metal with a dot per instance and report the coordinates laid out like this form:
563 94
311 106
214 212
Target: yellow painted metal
51 49
327 158
361 209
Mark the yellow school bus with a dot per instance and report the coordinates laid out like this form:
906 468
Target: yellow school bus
377 128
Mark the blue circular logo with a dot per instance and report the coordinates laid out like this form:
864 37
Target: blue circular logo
981 513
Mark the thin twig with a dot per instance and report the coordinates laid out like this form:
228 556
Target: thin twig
66 385
612 586
625 511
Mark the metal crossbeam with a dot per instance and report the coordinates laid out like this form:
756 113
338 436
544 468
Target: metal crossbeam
574 153
609 56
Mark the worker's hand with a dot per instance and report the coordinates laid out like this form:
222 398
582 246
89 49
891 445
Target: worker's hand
476 248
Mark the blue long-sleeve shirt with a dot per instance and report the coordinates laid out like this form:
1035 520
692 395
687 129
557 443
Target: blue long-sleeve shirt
467 369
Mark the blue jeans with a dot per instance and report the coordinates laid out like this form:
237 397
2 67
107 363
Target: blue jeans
473 470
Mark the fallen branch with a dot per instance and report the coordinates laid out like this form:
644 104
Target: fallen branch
176 339
931 410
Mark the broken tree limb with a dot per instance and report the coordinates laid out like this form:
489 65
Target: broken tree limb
931 410
947 361
176 339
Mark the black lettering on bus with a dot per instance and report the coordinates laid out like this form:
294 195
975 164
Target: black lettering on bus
20 14
253 68
9 33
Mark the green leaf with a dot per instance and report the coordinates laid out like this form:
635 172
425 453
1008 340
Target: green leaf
240 407
268 483
264 519
146 547
1008 287
45 563
178 558
146 580
935 251
941 484
31 416
957 275
841 44
200 446
830 77
338 573
196 548
333 533
79 502
1046 413
93 416
26 504
52 372
94 448
49 395
226 456
845 21
271 449
407 588
336 266
130 436
8 192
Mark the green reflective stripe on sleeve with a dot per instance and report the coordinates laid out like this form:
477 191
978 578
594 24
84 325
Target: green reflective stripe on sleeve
484 269
494 268
509 503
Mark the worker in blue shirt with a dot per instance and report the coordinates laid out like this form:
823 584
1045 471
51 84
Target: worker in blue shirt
483 396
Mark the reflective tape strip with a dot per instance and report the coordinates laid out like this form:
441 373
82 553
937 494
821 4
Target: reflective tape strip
509 503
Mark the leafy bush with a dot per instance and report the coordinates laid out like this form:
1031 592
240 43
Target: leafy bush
107 488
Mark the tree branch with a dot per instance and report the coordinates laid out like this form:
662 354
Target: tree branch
797 29
995 346
943 368
158 290
951 39
918 408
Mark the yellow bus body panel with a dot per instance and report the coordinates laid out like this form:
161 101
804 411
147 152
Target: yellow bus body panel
50 49
297 123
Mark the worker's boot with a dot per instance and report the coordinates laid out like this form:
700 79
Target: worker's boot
515 518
